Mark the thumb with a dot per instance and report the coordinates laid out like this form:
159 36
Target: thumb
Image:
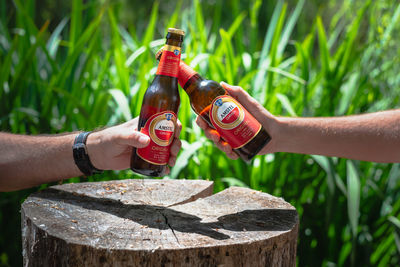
135 139
249 103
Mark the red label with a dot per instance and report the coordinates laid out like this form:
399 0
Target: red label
235 124
160 128
185 73
169 62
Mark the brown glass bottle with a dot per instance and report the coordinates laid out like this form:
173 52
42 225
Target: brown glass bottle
159 110
223 113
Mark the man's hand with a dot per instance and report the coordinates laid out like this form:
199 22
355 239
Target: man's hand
266 119
369 137
111 148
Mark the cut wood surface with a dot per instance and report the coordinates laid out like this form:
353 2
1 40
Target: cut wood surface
157 223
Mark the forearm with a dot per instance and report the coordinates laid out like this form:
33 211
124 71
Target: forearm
370 137
27 161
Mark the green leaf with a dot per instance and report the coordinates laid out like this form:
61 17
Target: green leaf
327 165
323 47
353 197
76 24
151 26
119 55
289 27
263 63
348 90
175 16
188 150
285 102
54 40
201 29
229 56
232 181
122 103
392 25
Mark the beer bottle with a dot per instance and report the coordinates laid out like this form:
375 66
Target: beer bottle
159 110
222 112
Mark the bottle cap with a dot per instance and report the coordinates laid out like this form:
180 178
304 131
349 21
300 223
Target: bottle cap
176 31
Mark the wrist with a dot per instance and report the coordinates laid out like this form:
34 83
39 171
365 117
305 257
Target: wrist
275 128
93 144
81 155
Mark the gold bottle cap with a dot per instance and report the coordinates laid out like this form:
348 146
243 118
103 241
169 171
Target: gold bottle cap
176 31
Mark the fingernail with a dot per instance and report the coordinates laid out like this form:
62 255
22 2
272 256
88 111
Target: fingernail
144 138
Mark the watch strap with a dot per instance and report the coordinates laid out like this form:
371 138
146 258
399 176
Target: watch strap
81 156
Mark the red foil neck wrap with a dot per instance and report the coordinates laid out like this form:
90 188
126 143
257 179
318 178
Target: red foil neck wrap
185 73
169 62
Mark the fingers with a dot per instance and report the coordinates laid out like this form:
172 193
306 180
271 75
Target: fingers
175 147
249 103
172 161
210 133
202 123
178 128
166 171
214 136
225 147
135 139
132 124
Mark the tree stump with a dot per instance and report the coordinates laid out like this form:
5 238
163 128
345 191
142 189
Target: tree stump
157 223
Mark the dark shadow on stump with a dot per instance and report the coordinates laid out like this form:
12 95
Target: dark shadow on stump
247 220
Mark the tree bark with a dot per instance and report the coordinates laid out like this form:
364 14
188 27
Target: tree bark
157 223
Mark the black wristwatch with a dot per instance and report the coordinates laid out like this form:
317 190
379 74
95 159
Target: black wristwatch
81 156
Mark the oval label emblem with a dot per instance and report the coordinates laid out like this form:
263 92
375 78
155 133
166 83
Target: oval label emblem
162 129
226 112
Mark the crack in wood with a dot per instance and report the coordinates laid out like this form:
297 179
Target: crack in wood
170 227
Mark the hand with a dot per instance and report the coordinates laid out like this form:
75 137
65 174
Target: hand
266 119
111 148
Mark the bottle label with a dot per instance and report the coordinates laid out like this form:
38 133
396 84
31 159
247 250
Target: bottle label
169 62
235 124
160 128
185 73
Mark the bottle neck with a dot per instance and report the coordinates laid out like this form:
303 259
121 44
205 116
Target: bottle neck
169 62
187 76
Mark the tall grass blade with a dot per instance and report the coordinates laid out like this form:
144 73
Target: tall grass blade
353 197
119 55
201 29
263 63
287 32
55 37
273 55
230 65
76 24
151 26
232 181
122 103
188 150
173 21
285 102
393 23
323 47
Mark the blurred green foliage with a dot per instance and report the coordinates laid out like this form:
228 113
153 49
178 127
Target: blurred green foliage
69 65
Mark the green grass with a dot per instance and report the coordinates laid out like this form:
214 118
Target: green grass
90 68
